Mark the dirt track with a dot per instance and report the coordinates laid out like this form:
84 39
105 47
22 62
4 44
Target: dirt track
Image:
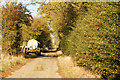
42 67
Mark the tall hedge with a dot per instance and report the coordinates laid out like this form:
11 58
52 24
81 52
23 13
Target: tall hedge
89 32
94 42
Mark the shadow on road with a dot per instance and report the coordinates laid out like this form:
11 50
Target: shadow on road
30 56
45 52
49 51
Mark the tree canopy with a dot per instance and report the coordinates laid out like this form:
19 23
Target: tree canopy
13 16
89 32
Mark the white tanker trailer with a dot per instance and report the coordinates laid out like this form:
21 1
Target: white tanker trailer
32 47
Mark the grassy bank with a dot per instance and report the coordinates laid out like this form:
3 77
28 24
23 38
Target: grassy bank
13 63
69 69
8 62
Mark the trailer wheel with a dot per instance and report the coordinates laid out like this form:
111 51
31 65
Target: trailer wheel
38 53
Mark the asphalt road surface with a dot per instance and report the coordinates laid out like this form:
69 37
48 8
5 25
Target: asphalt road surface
42 67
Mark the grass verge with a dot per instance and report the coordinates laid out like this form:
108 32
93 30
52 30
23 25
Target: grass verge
68 69
12 63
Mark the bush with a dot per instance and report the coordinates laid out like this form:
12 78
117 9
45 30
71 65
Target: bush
94 42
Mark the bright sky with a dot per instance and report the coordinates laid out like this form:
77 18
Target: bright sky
32 8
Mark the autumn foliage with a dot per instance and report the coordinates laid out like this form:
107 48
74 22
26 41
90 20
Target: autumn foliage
18 26
89 32
13 16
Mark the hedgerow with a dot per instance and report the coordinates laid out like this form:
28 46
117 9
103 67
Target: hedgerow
94 42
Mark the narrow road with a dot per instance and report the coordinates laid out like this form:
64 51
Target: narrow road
42 67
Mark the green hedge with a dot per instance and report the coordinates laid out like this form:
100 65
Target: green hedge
94 42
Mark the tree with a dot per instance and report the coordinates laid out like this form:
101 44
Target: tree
38 30
13 16
61 15
89 32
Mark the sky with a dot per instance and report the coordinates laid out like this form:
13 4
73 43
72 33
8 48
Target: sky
31 8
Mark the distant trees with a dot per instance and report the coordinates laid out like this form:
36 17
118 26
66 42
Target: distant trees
38 30
45 39
60 16
13 16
